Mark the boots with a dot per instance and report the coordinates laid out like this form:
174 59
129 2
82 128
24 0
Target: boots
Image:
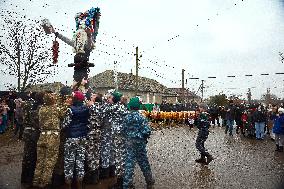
57 180
79 183
104 173
92 177
68 184
280 149
201 160
112 171
277 148
209 159
150 185
119 183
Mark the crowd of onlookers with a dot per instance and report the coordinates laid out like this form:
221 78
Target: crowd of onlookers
11 113
253 120
105 120
250 119
7 107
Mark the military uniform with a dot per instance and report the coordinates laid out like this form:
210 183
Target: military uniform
203 124
30 137
93 144
58 174
136 131
106 139
48 144
75 126
118 149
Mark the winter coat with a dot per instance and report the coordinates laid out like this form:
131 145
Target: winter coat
259 116
231 112
76 122
135 126
278 127
202 121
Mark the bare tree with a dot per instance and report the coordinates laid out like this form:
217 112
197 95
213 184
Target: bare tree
24 52
269 98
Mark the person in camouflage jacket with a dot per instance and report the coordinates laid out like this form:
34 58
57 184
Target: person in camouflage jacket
106 140
93 140
118 149
48 144
64 101
136 131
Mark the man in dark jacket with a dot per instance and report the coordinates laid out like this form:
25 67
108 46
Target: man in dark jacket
30 137
76 129
230 117
259 118
202 123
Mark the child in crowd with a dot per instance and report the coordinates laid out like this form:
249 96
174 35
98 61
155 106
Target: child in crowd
202 122
3 116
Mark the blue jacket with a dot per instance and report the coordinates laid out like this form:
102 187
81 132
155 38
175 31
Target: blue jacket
278 127
78 126
135 126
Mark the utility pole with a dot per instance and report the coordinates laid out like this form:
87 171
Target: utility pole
202 89
249 95
182 85
115 76
268 96
137 67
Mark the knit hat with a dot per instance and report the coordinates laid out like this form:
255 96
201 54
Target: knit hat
134 103
79 96
281 110
116 96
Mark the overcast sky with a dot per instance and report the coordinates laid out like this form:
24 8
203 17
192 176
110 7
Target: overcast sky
204 37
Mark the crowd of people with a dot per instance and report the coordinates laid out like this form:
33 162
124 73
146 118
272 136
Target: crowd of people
69 139
9 113
74 138
252 120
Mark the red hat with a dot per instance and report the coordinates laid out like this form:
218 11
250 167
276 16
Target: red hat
78 95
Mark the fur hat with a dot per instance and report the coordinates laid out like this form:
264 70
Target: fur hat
134 103
78 96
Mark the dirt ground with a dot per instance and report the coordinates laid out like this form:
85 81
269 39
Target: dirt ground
239 162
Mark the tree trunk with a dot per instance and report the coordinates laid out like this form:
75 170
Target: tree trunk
19 67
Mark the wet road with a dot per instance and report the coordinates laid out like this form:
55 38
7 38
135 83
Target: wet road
239 162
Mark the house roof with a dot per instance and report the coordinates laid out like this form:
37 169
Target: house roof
54 87
126 81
